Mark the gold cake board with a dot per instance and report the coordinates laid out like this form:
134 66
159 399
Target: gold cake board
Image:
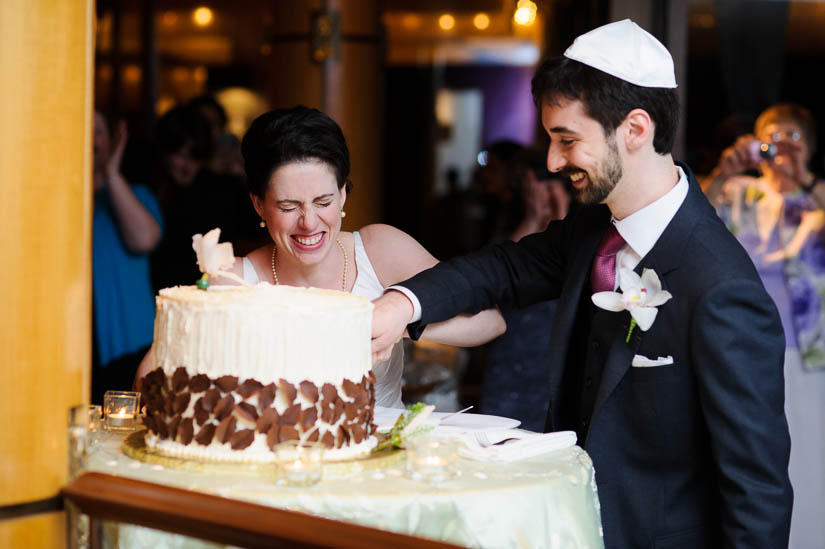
135 447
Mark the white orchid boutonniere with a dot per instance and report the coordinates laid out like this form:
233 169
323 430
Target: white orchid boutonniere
640 296
213 258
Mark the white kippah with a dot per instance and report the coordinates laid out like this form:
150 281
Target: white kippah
625 50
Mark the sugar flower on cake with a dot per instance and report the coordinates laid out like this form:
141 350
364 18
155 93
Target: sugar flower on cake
214 259
640 296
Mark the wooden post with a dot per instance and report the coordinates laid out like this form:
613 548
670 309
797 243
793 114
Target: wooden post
46 69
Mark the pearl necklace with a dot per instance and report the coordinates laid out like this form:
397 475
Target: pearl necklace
346 264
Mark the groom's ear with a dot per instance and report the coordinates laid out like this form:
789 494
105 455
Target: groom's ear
637 129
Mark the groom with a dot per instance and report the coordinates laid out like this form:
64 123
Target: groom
684 421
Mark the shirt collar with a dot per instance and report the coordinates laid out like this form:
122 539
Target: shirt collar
642 228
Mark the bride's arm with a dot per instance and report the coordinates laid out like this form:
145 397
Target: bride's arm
396 256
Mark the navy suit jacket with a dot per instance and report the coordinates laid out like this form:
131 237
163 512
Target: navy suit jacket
693 454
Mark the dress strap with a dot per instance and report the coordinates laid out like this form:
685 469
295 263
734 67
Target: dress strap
249 274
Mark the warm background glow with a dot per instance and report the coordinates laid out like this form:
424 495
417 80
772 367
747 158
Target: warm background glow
525 13
481 21
446 21
202 16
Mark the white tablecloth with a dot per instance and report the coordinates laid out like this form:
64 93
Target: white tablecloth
548 501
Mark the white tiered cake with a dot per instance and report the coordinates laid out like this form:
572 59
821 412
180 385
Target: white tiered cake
239 369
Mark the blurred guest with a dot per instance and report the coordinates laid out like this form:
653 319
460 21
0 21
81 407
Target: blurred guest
194 199
498 192
226 158
777 216
126 226
516 370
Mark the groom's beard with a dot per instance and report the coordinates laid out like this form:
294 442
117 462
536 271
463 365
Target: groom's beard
603 180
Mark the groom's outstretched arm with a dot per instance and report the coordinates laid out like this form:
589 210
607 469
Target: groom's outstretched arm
507 274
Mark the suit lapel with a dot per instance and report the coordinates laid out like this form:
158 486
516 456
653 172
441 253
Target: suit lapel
664 258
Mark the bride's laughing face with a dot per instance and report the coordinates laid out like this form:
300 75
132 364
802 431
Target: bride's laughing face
302 209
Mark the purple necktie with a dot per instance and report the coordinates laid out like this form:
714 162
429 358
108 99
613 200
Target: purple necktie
603 275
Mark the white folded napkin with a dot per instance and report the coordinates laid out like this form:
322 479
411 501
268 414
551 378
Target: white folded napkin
527 445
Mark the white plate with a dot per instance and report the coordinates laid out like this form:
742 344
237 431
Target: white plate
465 422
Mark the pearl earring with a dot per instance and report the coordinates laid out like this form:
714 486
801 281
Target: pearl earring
262 224
343 213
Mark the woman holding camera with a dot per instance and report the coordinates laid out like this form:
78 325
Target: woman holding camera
777 215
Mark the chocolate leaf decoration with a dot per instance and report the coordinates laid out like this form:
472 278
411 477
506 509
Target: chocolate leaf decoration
210 399
328 439
226 428
199 383
201 415
249 388
173 426
247 411
180 379
310 391
290 415
308 418
266 397
267 419
224 407
358 434
227 383
185 431
204 436
349 388
181 402
242 439
287 432
273 436
329 392
288 389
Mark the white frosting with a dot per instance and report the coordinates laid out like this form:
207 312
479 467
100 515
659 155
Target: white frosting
264 332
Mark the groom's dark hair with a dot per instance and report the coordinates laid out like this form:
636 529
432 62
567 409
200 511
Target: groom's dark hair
607 99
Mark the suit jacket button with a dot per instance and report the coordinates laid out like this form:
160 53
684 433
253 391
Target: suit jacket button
585 423
588 382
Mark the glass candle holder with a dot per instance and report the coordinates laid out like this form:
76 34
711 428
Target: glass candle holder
301 462
120 409
95 425
78 439
431 459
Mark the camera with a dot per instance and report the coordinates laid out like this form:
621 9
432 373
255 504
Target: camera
759 151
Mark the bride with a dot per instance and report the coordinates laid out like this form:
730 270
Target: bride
297 165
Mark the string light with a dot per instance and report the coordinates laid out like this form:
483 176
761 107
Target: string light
481 21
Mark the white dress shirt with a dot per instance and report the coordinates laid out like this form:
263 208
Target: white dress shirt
640 231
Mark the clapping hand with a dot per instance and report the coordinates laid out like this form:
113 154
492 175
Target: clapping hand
119 138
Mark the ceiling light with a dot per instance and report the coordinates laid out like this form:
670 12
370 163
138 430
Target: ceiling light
525 13
202 16
446 21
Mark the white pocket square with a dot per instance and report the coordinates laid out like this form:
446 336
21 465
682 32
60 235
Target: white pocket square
644 362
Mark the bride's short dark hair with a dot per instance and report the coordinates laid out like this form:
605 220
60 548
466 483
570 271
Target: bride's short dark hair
297 134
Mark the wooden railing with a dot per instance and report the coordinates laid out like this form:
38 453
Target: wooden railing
221 520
